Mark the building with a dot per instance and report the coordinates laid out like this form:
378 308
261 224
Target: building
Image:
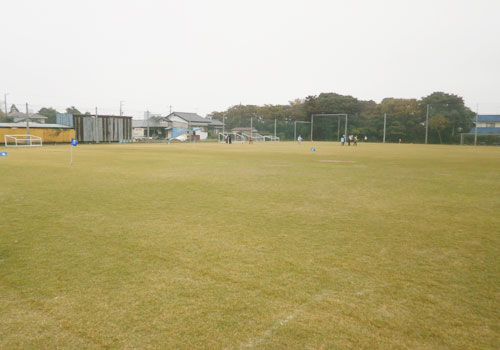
182 122
50 133
215 127
158 128
487 124
103 128
174 125
21 117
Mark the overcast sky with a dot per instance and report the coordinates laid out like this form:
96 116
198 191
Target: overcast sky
201 56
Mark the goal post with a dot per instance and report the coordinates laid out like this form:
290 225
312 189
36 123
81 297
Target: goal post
339 116
22 140
295 128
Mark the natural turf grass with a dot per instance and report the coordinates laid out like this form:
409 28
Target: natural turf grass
264 246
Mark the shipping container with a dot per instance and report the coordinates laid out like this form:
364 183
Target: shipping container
104 128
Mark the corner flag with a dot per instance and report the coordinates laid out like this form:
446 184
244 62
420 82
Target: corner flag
74 142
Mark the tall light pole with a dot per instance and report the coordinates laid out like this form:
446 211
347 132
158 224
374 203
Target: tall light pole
147 115
385 122
96 129
475 129
27 121
5 101
121 108
427 123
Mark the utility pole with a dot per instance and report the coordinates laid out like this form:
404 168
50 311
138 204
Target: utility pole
338 129
385 120
223 125
121 109
95 127
275 129
345 129
147 115
170 109
5 101
27 121
427 123
251 127
312 123
475 129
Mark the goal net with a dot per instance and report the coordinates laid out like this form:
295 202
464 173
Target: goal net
482 139
302 129
328 127
22 140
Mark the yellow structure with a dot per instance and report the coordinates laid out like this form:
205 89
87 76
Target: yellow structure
48 135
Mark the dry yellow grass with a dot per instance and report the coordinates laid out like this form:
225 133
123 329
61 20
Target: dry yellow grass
264 246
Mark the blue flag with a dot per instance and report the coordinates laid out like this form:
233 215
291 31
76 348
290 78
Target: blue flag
74 142
3 154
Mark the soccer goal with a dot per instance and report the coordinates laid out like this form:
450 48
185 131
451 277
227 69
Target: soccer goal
270 138
328 126
22 140
482 139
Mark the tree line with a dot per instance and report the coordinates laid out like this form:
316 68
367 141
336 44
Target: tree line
406 118
48 112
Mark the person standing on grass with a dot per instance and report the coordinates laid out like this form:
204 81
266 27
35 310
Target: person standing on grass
366 138
355 140
342 140
230 138
250 139
299 139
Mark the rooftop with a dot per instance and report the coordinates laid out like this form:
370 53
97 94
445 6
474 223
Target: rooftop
489 131
190 117
487 118
34 125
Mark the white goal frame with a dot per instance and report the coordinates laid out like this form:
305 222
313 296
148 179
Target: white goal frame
22 140
268 138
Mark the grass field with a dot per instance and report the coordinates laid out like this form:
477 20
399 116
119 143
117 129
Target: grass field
264 246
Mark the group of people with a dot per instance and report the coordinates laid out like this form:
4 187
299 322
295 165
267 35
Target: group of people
228 138
351 139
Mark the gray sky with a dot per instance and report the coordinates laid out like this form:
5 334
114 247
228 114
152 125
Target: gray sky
208 55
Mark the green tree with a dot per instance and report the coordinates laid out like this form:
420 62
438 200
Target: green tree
50 113
72 110
438 123
403 119
452 108
3 117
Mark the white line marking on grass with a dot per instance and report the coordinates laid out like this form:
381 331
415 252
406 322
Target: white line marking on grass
336 161
267 334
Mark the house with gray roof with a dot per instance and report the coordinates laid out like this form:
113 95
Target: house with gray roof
182 122
22 117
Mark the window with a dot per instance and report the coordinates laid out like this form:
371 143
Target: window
490 125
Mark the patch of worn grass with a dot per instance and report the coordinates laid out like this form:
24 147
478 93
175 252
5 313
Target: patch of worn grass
263 246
